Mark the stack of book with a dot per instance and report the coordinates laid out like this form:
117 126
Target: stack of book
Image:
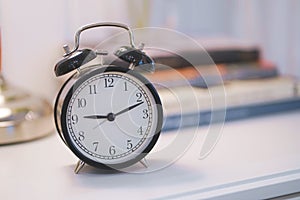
238 84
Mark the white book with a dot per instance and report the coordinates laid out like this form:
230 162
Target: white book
187 99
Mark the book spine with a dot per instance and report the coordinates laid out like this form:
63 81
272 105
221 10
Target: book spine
218 56
297 89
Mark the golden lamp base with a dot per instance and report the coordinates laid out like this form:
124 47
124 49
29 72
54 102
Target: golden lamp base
23 117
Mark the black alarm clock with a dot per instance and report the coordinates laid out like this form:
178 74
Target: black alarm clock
109 116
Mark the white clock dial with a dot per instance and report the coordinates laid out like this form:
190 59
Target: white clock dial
112 117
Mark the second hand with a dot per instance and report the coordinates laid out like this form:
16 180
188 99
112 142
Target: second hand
100 124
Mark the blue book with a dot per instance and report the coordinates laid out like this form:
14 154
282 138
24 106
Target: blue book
177 121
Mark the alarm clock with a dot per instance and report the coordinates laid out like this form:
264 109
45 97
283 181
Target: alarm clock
109 116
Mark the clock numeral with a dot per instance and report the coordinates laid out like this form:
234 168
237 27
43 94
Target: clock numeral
95 144
81 136
129 144
139 97
146 114
81 103
108 82
74 119
140 130
125 86
112 150
93 89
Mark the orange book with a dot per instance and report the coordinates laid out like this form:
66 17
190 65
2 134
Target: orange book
213 75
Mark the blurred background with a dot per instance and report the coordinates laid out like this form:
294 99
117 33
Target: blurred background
34 31
256 46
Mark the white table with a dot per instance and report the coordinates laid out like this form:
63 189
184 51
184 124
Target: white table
255 158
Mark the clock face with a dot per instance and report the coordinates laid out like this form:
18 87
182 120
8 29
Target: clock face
111 118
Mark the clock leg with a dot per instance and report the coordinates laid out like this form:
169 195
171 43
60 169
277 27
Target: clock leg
144 162
79 166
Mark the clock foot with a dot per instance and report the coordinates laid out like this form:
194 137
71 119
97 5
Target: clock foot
144 162
79 166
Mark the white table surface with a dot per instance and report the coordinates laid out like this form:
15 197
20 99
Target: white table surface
255 158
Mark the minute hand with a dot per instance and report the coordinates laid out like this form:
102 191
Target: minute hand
129 108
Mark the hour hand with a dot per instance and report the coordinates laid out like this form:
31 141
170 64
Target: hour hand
96 117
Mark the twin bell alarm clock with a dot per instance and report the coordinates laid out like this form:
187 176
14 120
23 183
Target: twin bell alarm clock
109 116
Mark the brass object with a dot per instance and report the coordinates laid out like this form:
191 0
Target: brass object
23 117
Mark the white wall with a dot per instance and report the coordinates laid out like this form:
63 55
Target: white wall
33 31
31 37
273 24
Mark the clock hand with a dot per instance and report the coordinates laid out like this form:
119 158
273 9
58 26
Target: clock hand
96 116
99 124
111 116
129 108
